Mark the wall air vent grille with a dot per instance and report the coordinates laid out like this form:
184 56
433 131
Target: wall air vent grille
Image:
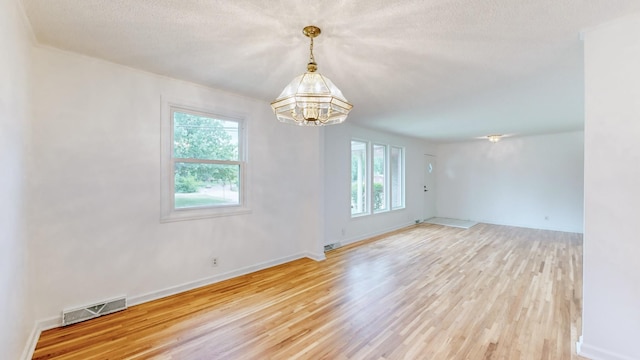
331 247
93 311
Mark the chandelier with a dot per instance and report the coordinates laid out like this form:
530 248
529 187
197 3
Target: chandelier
494 138
311 99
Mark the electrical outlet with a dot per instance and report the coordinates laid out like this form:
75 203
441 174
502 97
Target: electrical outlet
214 262
344 231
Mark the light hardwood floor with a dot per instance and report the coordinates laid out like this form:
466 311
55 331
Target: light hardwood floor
426 292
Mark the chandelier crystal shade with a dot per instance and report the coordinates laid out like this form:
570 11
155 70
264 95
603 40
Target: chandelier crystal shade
311 99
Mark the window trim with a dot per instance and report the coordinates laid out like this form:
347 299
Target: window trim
167 175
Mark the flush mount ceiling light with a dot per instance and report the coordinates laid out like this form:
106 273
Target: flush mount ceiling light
311 99
494 138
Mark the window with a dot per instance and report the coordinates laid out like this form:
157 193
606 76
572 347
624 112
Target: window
397 178
204 168
377 178
358 178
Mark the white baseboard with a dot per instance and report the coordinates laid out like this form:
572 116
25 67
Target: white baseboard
596 353
38 328
316 256
32 341
534 226
56 321
154 295
373 234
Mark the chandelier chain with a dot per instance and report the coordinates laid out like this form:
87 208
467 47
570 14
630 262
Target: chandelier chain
311 58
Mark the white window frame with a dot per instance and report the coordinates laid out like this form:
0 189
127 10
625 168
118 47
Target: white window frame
369 154
387 177
402 178
367 174
168 211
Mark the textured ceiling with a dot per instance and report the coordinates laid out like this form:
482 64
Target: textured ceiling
444 70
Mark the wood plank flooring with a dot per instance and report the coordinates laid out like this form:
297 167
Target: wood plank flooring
426 292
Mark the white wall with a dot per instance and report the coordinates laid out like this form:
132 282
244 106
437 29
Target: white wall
16 310
518 181
96 182
611 294
337 188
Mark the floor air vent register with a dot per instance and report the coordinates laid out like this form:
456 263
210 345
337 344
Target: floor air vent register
93 311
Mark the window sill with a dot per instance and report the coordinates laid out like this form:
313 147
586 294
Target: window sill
198 214
355 216
358 216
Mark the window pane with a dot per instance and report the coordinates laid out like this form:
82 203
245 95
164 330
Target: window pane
379 170
358 177
397 178
201 137
206 185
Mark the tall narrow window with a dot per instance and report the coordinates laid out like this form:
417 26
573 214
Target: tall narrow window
358 178
379 177
397 177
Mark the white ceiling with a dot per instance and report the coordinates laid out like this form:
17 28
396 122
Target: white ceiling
444 70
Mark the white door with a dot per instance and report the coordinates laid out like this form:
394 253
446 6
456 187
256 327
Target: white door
429 189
